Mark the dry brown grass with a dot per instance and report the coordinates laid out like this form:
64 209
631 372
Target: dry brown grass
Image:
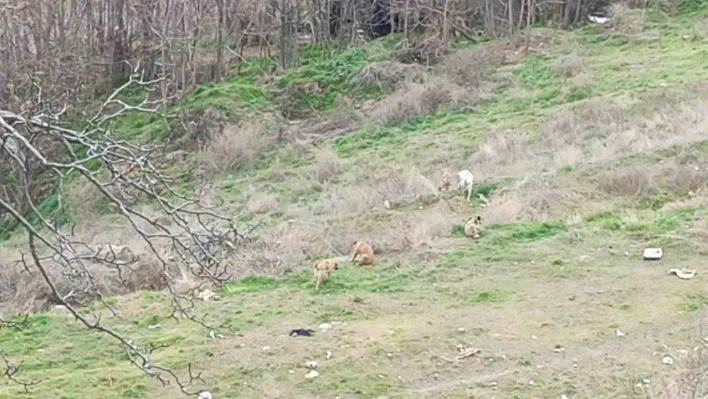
389 73
413 100
471 68
237 146
505 153
326 166
261 203
536 199
570 66
630 182
26 291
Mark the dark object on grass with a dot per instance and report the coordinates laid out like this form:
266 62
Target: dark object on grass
301 331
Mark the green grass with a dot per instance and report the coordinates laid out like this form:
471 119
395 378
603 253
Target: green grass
522 232
413 301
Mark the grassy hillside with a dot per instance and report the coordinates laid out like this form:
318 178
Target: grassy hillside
588 149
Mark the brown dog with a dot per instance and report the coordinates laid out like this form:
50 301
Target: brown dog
323 267
363 253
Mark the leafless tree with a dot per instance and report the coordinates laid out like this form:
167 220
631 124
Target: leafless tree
200 238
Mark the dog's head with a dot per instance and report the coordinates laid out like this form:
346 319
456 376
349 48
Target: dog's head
478 220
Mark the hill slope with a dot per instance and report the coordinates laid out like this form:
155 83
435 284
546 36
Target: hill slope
588 149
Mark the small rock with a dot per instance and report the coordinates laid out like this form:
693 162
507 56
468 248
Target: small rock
531 382
571 298
243 345
325 326
291 371
154 326
461 329
563 397
493 384
220 336
312 364
204 395
436 376
390 355
328 355
212 336
534 337
619 333
646 381
312 374
668 360
266 348
559 350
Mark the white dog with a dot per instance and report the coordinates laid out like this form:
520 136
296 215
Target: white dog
465 181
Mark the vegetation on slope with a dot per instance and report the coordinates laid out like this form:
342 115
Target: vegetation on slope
588 149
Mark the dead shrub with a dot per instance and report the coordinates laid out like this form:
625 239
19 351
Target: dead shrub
683 179
505 153
389 73
408 186
427 52
570 66
630 182
199 128
531 200
236 146
414 100
333 124
349 200
290 100
26 291
262 203
471 68
625 19
326 166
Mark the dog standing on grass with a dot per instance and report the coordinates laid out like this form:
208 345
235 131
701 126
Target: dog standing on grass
363 253
323 267
465 181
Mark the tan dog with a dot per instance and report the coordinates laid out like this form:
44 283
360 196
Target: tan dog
363 253
323 267
473 227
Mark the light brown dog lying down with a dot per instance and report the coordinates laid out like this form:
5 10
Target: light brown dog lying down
363 253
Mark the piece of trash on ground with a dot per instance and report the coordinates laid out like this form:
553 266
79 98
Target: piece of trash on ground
312 374
620 333
469 352
653 254
668 360
684 274
325 326
312 364
301 331
328 355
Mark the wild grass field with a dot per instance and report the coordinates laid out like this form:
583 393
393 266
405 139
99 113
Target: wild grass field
588 149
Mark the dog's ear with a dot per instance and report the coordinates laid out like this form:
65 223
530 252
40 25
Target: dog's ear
479 219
